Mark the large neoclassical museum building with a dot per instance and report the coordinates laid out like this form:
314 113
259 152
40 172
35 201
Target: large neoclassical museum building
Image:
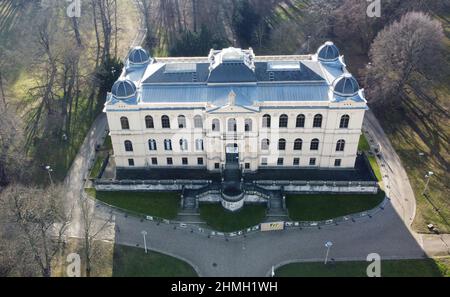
235 107
233 119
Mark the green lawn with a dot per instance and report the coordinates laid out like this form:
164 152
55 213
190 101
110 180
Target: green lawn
161 205
325 207
395 268
419 130
95 171
133 262
222 220
375 167
363 145
108 143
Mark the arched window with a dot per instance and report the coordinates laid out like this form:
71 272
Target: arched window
315 144
345 120
248 125
168 145
215 125
152 145
340 145
266 123
298 144
300 121
283 121
128 146
124 123
149 124
199 145
198 122
183 144
265 144
232 125
317 121
181 122
165 122
282 145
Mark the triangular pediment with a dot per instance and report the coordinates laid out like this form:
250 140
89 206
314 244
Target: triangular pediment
233 109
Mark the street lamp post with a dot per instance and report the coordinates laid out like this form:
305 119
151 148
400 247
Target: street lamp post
49 171
328 245
144 233
427 185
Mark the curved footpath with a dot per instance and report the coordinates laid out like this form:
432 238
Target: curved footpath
400 191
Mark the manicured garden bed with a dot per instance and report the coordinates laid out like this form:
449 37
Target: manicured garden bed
325 207
163 205
220 219
133 262
395 268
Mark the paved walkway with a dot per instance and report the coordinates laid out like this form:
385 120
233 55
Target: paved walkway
78 172
400 191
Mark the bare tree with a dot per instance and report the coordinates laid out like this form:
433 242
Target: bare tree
406 52
94 228
41 218
13 162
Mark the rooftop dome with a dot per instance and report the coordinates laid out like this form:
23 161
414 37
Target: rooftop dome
345 85
138 55
232 54
328 52
123 89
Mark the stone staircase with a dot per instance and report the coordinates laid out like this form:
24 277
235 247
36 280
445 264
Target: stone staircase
276 212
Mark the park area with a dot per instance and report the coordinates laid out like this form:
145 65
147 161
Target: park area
394 268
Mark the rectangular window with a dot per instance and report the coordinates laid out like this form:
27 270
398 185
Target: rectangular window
312 162
168 145
337 162
296 161
130 162
154 161
199 145
247 165
169 161
185 161
280 161
200 161
264 162
217 165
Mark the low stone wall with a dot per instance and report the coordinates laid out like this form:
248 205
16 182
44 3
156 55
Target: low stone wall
321 187
149 186
216 198
285 186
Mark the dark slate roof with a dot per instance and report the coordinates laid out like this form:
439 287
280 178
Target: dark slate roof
161 76
246 95
305 74
232 72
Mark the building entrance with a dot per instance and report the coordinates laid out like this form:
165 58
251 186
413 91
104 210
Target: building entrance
232 154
